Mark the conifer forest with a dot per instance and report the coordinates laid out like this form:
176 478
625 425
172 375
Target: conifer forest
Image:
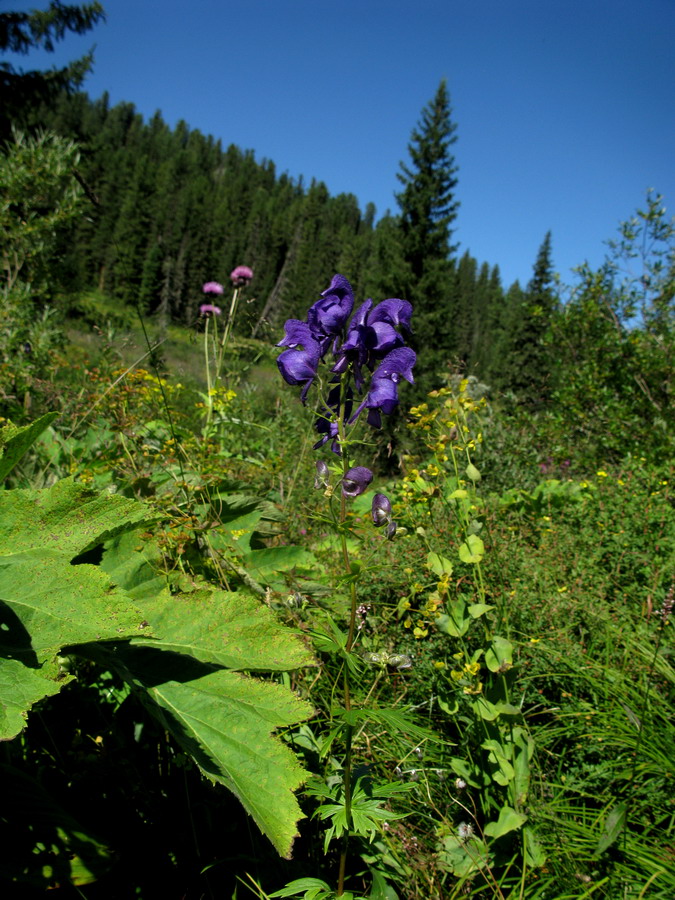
330 565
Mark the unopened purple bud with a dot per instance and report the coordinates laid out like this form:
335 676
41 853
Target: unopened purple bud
381 510
391 530
322 475
208 309
241 276
356 481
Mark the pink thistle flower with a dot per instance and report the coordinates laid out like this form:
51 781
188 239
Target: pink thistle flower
208 309
212 287
241 276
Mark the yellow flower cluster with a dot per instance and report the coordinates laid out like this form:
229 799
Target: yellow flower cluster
466 678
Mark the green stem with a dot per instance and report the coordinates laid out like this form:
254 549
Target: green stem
226 334
347 769
209 398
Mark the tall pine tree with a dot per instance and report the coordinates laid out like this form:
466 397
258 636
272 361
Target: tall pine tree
21 32
528 362
428 209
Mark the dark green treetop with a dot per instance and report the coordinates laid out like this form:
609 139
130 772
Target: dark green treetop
21 32
427 203
528 363
428 209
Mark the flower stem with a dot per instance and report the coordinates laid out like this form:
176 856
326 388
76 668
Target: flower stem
347 768
209 398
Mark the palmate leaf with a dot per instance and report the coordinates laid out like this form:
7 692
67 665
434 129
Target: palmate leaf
49 604
51 599
223 719
20 688
68 518
46 603
229 629
15 441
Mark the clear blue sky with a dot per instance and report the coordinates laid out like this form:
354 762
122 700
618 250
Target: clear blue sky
565 109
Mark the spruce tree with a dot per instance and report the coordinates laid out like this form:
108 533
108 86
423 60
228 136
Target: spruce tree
528 362
428 209
21 32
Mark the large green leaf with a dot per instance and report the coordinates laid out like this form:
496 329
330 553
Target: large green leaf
20 688
225 720
68 518
53 597
46 603
15 441
230 629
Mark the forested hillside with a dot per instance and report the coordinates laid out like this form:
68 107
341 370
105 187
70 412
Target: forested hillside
169 209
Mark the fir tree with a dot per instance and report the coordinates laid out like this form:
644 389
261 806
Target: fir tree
21 32
528 362
428 209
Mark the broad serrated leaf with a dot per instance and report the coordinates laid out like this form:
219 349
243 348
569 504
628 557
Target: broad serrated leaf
16 440
230 629
234 630
68 518
264 564
225 721
48 604
21 688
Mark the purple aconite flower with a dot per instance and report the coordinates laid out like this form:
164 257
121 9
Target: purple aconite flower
327 317
395 312
381 513
299 363
208 309
241 276
372 340
381 510
356 481
383 393
212 287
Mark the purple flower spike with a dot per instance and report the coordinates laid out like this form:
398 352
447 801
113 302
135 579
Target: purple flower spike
299 363
212 287
208 309
241 276
329 314
356 481
394 312
381 510
383 393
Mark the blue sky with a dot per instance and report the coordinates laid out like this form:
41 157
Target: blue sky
565 109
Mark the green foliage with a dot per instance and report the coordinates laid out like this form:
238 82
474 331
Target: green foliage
124 616
39 196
